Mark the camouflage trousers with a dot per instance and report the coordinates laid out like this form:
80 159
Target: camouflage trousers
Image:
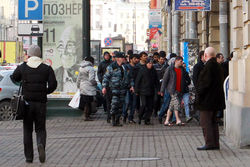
117 104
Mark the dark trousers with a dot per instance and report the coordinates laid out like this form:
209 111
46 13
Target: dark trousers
35 113
210 128
108 98
146 107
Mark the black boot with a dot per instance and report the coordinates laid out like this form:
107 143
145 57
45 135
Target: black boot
118 122
113 120
124 120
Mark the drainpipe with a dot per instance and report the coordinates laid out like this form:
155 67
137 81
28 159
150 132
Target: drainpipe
169 31
176 32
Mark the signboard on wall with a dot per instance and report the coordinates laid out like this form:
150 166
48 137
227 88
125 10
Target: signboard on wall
155 20
62 41
193 5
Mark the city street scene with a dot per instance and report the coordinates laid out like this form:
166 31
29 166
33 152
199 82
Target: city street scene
135 83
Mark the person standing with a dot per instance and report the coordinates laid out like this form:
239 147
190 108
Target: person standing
100 73
87 84
38 80
145 85
210 99
116 79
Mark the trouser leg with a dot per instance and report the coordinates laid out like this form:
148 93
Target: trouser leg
27 134
186 104
149 108
165 104
210 128
40 123
108 98
142 106
133 103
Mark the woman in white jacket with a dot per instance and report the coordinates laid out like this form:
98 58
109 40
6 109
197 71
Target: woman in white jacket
87 84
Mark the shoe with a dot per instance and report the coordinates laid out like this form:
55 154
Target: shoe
88 119
188 119
196 117
202 148
29 161
41 152
148 123
180 124
139 121
124 120
108 120
168 124
132 121
160 120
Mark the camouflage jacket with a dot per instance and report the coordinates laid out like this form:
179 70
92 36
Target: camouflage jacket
116 78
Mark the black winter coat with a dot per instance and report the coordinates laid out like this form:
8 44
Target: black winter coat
37 82
196 72
210 94
146 82
102 69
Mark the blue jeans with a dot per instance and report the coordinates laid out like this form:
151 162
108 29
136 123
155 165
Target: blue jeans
130 103
186 104
165 104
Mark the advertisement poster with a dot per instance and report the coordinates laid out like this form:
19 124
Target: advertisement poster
62 41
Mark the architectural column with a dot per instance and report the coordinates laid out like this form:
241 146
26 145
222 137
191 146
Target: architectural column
238 105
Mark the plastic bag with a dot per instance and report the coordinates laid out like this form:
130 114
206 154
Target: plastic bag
74 103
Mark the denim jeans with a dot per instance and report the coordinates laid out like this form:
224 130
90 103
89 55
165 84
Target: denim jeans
130 103
186 104
165 104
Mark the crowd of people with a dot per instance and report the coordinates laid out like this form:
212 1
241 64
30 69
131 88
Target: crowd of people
136 83
139 84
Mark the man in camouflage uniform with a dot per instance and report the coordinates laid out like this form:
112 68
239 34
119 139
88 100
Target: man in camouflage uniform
116 78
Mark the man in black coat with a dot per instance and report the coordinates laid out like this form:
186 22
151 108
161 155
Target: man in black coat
100 73
38 80
210 99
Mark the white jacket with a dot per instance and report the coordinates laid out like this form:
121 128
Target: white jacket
86 79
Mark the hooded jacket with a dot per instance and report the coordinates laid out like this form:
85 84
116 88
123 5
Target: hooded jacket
38 79
102 69
86 79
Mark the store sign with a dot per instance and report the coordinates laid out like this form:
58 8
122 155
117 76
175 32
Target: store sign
193 5
62 42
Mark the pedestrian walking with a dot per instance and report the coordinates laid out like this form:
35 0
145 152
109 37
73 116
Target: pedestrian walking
176 82
116 79
145 85
100 73
210 99
131 98
86 82
38 80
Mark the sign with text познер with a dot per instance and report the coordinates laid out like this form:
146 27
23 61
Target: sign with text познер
193 5
30 9
30 29
155 20
62 42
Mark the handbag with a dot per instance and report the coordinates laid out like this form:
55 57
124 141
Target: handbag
74 103
18 105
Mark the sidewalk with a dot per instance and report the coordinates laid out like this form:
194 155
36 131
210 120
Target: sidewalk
75 143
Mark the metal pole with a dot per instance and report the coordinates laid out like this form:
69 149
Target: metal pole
169 31
176 32
223 19
192 25
86 28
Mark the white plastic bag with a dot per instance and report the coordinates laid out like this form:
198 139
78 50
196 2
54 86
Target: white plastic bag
74 103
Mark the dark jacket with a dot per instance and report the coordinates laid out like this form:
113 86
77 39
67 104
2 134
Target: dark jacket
210 94
102 69
146 82
169 80
196 72
160 69
37 82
